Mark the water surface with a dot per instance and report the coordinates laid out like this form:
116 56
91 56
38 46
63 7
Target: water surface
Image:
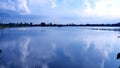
54 47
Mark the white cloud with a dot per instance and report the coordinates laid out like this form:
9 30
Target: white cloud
22 5
7 5
39 3
43 3
53 3
19 6
103 8
78 7
86 10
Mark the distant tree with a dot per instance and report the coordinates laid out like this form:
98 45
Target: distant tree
50 24
25 23
21 23
87 24
43 24
31 23
118 24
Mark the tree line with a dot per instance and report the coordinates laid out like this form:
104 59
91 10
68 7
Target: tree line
43 24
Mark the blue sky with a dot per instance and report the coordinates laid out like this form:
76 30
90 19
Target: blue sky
60 11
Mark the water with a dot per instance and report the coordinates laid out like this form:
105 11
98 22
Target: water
54 47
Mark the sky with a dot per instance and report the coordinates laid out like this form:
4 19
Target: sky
60 11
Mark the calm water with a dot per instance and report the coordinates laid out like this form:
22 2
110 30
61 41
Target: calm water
53 47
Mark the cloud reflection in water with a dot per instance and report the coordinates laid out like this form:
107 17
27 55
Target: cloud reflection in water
15 52
60 49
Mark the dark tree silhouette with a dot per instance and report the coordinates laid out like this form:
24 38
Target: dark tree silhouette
25 24
118 56
0 51
31 23
43 24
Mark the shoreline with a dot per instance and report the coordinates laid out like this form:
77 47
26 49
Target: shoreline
2 27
